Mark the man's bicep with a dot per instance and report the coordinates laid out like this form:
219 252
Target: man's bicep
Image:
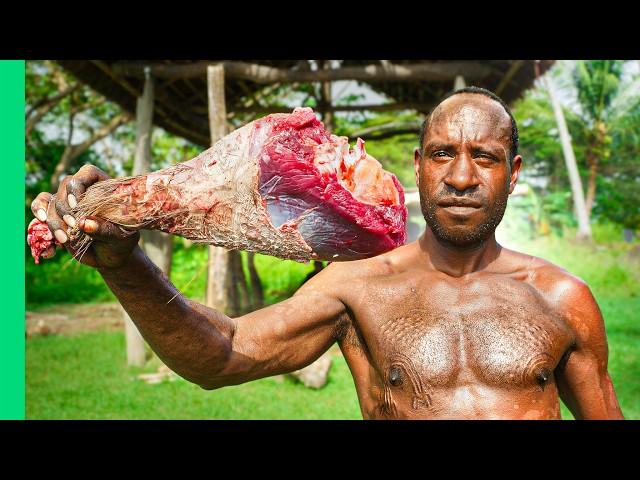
283 337
587 390
583 381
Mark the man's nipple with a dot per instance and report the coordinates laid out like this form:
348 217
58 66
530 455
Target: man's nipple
542 376
395 376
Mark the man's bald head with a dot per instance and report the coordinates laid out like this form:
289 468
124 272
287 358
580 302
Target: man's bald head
513 139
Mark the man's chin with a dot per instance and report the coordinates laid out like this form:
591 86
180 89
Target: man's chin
463 236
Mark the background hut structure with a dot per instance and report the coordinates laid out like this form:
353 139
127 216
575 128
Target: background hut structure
202 100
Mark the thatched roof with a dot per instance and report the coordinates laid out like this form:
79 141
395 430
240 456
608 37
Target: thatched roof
181 86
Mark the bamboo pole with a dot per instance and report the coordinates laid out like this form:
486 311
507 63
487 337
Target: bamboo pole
218 262
264 74
584 229
157 245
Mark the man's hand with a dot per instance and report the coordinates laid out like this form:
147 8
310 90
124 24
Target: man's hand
111 245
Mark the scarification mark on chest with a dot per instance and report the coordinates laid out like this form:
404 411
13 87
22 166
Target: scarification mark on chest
430 342
498 344
402 376
515 345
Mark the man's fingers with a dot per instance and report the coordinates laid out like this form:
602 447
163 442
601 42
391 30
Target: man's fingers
87 176
75 189
57 211
68 195
103 230
56 224
72 188
78 183
40 205
62 206
50 252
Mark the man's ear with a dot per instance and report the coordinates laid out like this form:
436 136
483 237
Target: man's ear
417 157
515 171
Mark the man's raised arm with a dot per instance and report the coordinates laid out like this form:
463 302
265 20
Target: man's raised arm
213 350
201 344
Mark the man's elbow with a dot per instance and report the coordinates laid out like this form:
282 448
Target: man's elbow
209 375
224 376
215 382
208 385
203 380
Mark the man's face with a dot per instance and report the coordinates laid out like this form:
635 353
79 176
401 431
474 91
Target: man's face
463 174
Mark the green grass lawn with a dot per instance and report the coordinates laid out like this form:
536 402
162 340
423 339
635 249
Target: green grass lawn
85 377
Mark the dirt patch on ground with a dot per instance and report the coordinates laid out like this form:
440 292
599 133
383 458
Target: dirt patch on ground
71 319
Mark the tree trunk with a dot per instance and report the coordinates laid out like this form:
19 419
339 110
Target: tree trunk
598 150
592 161
239 292
325 99
157 245
39 110
233 297
218 275
584 229
136 351
316 374
217 279
257 293
74 151
243 288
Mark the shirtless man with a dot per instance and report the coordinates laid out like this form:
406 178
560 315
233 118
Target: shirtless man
451 326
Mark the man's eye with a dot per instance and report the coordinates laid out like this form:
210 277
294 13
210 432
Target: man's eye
440 154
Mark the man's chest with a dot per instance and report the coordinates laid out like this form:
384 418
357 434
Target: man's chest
429 334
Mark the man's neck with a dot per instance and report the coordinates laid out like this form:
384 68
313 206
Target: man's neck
457 261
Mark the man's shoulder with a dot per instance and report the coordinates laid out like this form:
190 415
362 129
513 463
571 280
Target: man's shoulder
566 293
348 275
554 278
364 268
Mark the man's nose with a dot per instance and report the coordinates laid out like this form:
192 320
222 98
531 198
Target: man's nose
462 174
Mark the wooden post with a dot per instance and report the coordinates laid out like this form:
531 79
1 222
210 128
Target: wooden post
325 99
584 229
157 245
218 269
257 292
239 282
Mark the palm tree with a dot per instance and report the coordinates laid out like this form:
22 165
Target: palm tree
584 229
606 101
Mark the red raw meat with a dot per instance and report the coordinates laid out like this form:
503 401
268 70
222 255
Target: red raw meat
39 238
281 185
342 202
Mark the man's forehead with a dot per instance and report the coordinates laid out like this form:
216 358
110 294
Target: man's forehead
470 115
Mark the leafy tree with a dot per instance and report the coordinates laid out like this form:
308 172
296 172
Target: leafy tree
606 106
61 109
608 164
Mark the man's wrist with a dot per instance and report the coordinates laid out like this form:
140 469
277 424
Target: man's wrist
133 262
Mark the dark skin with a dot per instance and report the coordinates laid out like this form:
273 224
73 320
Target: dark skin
450 326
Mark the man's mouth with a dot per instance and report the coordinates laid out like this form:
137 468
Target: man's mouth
460 206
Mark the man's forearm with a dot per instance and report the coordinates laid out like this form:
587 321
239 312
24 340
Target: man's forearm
191 339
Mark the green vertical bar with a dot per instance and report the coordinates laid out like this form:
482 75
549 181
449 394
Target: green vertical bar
12 318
